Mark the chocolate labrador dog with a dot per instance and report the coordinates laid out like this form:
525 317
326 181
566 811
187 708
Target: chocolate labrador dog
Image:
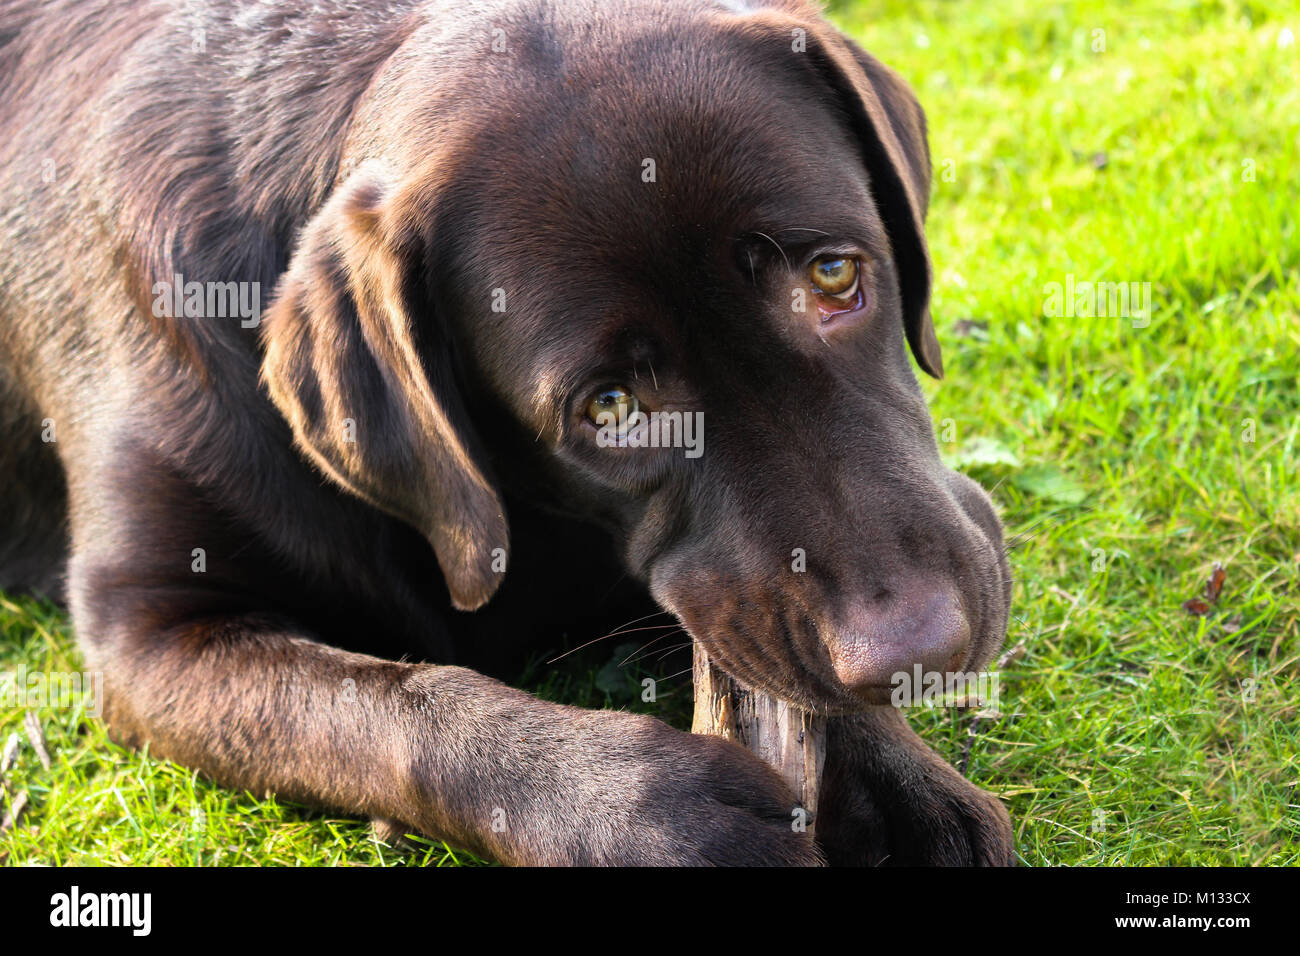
504 248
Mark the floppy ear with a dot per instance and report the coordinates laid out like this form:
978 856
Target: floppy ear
361 368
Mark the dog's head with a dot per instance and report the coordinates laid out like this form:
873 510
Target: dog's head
714 215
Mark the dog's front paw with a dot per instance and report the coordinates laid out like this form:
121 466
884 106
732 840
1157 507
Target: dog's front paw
937 827
888 800
554 786
672 798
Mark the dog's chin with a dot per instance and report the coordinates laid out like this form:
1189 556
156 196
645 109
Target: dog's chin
838 701
810 692
821 694
833 702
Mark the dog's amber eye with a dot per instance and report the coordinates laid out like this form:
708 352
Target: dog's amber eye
834 276
615 401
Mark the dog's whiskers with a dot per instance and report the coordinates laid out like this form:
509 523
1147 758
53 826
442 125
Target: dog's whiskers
638 620
778 247
1025 536
641 652
621 629
669 650
678 674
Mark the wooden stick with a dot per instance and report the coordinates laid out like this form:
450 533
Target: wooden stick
789 739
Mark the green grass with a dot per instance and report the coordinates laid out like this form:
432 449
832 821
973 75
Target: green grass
1129 459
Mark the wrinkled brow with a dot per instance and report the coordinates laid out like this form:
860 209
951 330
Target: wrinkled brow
628 350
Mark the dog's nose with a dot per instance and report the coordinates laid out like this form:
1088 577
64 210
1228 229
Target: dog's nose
875 641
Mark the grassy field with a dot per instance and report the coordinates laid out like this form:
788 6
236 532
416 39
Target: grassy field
1072 144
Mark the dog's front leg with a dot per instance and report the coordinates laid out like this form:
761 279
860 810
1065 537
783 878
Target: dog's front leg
445 750
888 799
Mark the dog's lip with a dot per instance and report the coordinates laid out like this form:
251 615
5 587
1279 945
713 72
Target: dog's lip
874 693
834 699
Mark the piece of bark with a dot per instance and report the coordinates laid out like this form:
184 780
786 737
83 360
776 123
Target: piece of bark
36 737
10 754
16 810
789 739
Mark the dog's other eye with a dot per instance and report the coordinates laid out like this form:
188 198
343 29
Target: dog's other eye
615 401
835 276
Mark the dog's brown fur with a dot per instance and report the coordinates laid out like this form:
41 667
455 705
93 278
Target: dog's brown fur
384 170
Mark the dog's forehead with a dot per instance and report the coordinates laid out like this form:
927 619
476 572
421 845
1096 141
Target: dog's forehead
626 179
706 148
